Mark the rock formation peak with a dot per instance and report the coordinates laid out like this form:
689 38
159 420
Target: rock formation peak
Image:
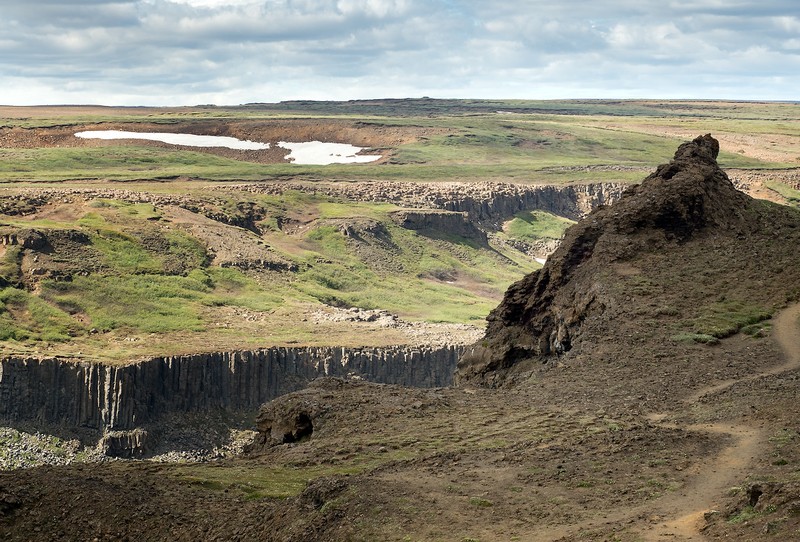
542 315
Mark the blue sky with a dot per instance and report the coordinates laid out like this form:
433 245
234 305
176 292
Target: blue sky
187 52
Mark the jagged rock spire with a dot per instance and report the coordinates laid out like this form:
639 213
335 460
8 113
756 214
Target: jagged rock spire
542 314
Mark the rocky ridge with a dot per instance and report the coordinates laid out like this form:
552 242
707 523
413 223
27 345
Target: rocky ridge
483 202
545 314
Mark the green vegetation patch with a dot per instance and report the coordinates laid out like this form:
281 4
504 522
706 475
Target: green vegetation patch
727 318
123 253
150 303
136 246
443 280
231 287
9 265
25 317
534 225
792 195
748 513
115 162
699 338
135 210
262 482
146 303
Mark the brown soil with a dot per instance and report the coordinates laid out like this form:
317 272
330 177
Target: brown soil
688 509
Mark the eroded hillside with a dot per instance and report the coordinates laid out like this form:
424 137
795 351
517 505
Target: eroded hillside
118 274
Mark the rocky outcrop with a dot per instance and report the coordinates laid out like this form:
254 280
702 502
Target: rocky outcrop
542 315
104 397
484 202
440 222
504 201
126 444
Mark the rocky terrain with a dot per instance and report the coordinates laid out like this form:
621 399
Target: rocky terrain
545 313
640 386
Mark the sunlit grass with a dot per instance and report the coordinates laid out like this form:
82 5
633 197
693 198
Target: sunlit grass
532 225
139 274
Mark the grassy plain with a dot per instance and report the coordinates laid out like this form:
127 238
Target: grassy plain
519 140
144 281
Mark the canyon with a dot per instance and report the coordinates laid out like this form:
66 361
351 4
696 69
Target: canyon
214 344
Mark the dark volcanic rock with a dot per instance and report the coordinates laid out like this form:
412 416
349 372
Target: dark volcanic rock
109 398
125 444
440 222
542 315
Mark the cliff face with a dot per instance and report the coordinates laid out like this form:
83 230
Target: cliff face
502 202
117 398
543 314
487 202
440 222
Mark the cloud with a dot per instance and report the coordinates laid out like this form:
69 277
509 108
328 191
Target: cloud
233 51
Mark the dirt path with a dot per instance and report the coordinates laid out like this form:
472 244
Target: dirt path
677 516
787 334
686 508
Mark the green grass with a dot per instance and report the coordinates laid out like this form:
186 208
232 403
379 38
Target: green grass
700 338
791 195
265 482
117 162
9 265
148 303
748 513
118 231
144 211
143 303
534 225
134 291
332 210
469 141
353 275
137 287
480 502
122 253
145 276
726 318
25 317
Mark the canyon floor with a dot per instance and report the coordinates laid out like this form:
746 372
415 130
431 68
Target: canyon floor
673 416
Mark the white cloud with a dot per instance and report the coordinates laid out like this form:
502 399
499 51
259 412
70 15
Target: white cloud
374 8
792 44
788 23
213 3
233 51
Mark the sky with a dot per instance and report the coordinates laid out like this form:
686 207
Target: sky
191 52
